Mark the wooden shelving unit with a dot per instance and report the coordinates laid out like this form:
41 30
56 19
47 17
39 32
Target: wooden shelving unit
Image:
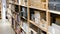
33 16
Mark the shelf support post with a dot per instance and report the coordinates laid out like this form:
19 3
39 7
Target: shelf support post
4 10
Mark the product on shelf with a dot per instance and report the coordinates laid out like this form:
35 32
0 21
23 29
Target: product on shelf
38 4
54 29
58 20
55 19
37 17
43 15
13 22
16 8
24 12
21 11
54 6
24 25
43 24
18 17
32 17
33 29
58 7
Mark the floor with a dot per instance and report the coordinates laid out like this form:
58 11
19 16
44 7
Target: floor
5 28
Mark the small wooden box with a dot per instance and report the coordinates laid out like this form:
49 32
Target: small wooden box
35 3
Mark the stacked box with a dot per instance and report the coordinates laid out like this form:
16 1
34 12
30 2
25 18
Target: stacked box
54 6
51 6
58 7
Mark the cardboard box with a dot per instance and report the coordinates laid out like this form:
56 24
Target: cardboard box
58 20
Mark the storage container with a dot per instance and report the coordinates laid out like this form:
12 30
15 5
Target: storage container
58 7
51 6
54 6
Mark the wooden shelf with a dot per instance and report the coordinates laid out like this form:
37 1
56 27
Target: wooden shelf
34 23
43 2
32 7
38 25
23 5
23 24
55 12
37 8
